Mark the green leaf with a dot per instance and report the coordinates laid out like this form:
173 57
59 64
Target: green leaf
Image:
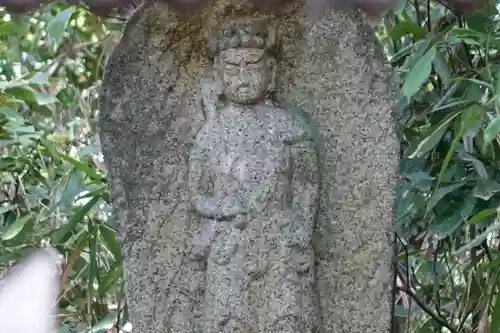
440 194
440 105
112 278
451 105
30 95
13 116
449 224
41 78
23 94
45 99
60 234
74 186
435 269
421 180
57 26
442 68
419 73
495 315
64 329
478 165
471 118
464 33
407 27
492 130
16 227
486 189
482 215
432 137
11 28
104 324
5 85
405 200
7 258
93 271
479 21
109 237
89 171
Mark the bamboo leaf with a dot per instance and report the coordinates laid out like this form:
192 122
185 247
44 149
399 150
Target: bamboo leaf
16 227
419 74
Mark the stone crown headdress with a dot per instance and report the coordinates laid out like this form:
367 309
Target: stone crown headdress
251 34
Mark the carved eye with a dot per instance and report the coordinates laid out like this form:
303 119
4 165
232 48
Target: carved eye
256 65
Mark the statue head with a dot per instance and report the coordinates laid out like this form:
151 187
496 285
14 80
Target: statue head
244 56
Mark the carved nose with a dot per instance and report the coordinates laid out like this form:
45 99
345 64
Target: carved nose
244 73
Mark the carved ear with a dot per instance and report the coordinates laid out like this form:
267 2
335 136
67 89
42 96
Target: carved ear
28 295
211 91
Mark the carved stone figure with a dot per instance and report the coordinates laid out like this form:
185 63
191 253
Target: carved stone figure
254 183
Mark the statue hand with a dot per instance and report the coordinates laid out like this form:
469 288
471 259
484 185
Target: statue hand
231 207
197 252
241 221
204 206
203 238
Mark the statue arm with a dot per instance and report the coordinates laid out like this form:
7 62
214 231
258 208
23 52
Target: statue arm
305 191
199 179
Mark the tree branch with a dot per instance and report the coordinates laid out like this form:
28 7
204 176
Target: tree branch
428 310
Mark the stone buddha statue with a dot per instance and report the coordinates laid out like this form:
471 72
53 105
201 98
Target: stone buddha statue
254 183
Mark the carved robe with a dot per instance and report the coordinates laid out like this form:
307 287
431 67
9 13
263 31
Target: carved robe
259 275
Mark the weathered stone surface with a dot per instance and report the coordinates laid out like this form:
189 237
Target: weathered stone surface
152 109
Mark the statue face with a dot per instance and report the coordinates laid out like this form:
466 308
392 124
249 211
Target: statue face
246 74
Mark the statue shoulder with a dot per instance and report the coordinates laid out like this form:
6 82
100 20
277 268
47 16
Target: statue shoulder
295 123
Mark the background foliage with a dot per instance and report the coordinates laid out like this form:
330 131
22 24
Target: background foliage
53 183
449 195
